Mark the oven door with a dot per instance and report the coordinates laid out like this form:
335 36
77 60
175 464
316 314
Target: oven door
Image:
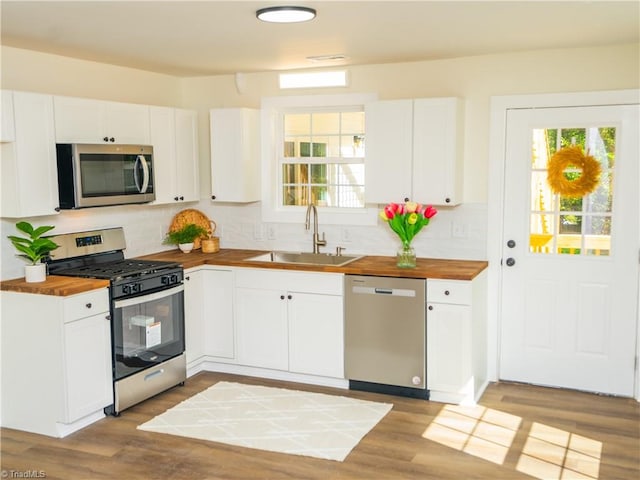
147 330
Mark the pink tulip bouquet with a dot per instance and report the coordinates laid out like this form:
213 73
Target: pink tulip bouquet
407 219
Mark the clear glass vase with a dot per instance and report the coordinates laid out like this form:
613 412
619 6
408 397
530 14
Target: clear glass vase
406 256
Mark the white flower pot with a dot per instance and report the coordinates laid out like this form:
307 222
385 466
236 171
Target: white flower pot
185 247
35 273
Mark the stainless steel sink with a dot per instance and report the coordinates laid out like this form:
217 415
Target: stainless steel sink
304 258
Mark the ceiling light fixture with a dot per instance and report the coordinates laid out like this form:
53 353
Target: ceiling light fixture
286 14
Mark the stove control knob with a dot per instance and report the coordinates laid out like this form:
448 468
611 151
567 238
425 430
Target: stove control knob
174 278
165 280
136 287
126 289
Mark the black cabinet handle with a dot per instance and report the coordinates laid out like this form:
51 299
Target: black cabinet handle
447 200
406 199
281 297
430 307
175 199
446 292
88 305
289 297
213 197
181 198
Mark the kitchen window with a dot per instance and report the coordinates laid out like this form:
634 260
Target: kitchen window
317 156
323 158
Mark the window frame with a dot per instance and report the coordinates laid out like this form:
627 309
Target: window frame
272 111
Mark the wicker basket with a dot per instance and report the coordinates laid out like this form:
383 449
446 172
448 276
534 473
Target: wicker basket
191 215
210 245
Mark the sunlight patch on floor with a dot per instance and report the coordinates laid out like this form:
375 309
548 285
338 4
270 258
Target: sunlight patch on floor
548 454
478 431
551 453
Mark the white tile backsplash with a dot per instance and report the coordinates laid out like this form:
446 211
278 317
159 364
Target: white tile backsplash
146 225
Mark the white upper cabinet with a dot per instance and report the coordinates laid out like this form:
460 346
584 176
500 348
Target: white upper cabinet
235 155
415 151
80 120
174 136
28 169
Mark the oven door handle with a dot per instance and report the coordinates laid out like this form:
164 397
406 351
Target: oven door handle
127 302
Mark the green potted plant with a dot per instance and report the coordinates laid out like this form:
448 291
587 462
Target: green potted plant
33 248
185 237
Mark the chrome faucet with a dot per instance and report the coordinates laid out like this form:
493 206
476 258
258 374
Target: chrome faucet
317 243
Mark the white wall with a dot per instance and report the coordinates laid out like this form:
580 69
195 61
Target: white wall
475 79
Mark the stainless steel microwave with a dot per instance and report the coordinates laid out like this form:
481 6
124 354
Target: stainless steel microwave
102 175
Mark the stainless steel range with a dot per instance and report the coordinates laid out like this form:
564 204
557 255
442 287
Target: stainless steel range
147 312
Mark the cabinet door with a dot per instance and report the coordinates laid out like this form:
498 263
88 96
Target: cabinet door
79 120
389 151
316 334
449 348
174 136
87 367
437 151
194 315
219 331
235 155
163 139
187 161
29 170
261 317
127 123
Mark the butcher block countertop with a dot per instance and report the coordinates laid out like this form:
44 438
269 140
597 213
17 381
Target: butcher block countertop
54 285
367 265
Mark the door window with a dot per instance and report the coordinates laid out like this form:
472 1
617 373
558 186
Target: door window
564 224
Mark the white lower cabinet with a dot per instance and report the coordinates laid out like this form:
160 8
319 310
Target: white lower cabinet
87 365
219 330
209 321
316 334
456 339
290 321
56 361
261 317
194 315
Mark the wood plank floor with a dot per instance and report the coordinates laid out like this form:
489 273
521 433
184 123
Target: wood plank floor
517 431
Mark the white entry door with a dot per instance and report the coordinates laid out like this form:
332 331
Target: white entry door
570 264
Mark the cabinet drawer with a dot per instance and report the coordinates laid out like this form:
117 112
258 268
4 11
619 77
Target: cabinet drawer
86 304
321 283
456 292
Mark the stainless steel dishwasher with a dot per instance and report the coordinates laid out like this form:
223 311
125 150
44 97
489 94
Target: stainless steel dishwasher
386 335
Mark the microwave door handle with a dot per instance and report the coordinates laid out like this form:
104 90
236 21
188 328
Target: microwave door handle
140 160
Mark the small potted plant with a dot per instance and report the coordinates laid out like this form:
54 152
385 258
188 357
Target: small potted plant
33 248
185 237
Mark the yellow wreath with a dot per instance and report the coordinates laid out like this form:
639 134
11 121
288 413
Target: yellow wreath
581 186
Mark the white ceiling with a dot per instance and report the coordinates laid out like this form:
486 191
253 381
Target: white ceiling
211 37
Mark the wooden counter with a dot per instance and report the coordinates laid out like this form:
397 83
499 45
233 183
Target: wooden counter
367 265
54 285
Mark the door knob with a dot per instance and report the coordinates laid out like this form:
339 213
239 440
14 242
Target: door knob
511 243
511 262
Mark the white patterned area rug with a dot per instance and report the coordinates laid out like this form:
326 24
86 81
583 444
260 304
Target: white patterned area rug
274 419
